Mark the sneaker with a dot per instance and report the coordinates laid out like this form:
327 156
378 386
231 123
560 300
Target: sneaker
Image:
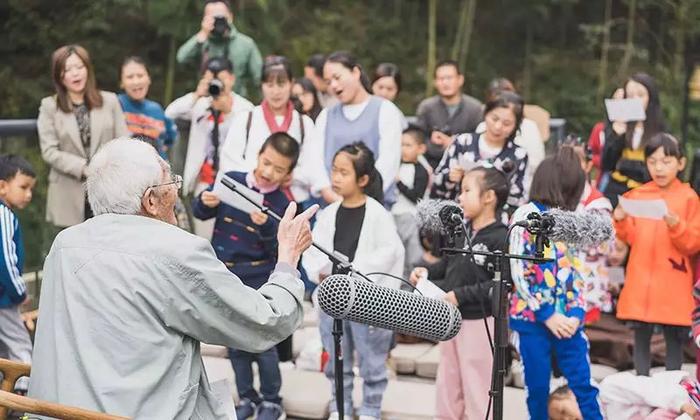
245 409
368 418
270 411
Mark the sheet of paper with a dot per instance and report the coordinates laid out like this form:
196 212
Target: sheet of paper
648 209
466 163
625 109
235 200
429 289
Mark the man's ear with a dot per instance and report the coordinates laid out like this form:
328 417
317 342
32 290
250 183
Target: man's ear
3 186
148 203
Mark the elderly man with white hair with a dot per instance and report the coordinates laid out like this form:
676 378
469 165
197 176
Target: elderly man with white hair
127 297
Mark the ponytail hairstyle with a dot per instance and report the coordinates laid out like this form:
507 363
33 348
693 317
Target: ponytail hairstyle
559 180
491 178
349 61
363 163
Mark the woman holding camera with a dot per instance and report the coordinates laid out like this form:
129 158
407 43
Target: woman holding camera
145 119
73 124
210 109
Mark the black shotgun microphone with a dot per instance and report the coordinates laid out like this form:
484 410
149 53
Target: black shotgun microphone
345 297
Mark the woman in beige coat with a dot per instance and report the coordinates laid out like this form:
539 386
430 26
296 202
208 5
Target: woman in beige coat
73 124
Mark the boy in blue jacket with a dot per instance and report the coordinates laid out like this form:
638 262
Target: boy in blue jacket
17 179
247 244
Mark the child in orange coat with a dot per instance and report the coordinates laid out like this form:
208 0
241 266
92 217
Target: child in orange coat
659 279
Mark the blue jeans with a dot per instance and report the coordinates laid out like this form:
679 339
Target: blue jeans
270 377
372 346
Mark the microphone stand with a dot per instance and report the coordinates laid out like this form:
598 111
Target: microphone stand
343 267
499 303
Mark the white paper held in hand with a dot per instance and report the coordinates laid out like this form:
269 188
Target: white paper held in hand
624 110
235 200
648 209
429 289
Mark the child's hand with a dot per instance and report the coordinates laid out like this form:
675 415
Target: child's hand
574 323
689 409
258 217
560 326
456 174
450 297
619 214
619 127
210 199
671 219
417 274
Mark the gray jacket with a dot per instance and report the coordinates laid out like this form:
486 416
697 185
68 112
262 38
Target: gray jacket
125 302
432 114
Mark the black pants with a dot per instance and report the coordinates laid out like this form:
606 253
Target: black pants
674 337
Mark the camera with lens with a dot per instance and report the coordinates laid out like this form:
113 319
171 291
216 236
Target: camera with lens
220 26
215 87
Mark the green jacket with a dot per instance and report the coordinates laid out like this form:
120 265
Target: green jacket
237 47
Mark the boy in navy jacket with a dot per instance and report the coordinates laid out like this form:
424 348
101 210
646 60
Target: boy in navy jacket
247 244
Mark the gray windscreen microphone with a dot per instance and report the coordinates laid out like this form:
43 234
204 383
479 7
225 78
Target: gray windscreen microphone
349 298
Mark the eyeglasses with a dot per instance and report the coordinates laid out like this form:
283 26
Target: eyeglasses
174 179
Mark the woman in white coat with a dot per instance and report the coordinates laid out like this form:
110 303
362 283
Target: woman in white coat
360 228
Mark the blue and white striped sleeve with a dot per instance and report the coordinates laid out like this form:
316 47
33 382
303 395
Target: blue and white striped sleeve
10 271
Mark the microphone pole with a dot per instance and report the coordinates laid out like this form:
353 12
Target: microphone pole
343 267
499 303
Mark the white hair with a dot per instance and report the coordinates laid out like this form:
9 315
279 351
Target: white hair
120 172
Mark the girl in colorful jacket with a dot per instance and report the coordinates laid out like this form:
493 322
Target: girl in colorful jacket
547 307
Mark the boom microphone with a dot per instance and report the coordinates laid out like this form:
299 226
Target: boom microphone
438 215
345 297
585 229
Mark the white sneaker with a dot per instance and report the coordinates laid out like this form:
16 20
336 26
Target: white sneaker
334 416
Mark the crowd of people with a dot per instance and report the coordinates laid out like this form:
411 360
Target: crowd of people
335 138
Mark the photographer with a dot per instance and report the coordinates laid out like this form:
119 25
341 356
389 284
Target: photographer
448 113
210 110
218 37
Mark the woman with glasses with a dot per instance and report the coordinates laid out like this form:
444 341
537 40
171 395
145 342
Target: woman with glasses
73 124
275 114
